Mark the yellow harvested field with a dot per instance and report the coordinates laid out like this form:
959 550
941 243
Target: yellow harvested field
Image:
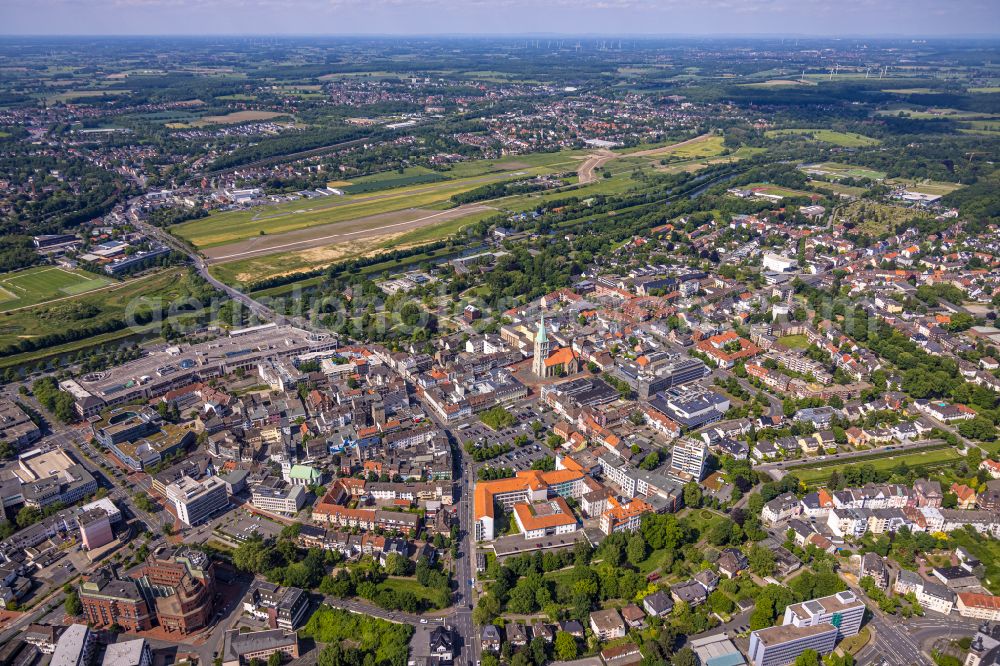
229 119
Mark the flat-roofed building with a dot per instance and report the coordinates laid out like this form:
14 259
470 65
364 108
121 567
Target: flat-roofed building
129 653
16 426
687 460
75 646
95 528
278 496
842 610
240 649
197 501
106 600
781 645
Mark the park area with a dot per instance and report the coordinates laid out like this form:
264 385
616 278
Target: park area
32 286
816 473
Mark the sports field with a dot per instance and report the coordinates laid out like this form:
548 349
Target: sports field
45 283
843 139
839 170
927 186
776 190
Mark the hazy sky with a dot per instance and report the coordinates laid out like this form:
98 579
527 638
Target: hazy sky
664 17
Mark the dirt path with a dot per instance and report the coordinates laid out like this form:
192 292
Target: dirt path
328 234
585 174
587 171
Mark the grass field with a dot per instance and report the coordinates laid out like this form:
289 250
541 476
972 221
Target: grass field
987 90
227 227
839 170
84 309
843 139
816 473
795 341
391 179
927 186
407 585
837 188
934 113
32 286
244 271
706 146
777 190
911 91
779 83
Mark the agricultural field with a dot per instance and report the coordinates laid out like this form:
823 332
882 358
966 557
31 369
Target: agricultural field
229 119
32 286
779 83
933 113
843 139
911 91
838 170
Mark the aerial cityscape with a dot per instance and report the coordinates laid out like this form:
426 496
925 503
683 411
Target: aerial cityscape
434 349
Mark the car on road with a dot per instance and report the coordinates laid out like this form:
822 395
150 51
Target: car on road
423 620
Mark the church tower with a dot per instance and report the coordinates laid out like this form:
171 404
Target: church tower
541 350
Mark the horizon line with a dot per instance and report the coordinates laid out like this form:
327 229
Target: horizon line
784 36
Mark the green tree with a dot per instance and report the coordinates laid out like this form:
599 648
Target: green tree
692 495
761 561
685 657
635 551
565 646
486 609
808 658
72 605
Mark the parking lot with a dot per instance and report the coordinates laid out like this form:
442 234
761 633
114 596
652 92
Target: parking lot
240 525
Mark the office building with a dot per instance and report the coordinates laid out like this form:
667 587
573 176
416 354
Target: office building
108 600
95 528
781 645
278 496
239 649
842 610
197 501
